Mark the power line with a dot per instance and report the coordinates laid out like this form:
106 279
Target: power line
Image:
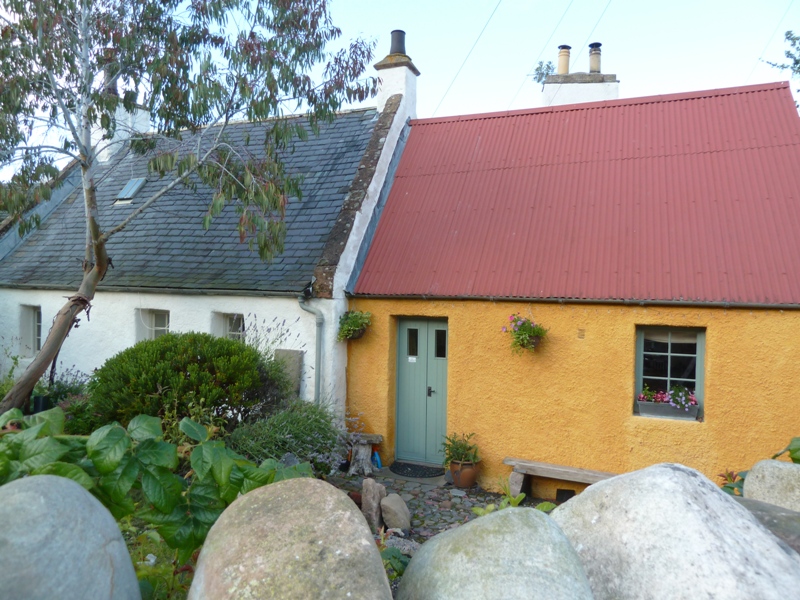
588 37
538 58
467 57
769 41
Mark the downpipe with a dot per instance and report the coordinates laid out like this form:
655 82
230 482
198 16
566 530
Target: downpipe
318 354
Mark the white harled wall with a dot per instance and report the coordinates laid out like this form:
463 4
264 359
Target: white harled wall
113 324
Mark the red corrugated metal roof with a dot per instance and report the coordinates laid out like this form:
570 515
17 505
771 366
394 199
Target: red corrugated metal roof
681 197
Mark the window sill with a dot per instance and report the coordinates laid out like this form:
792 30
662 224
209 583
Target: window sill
661 410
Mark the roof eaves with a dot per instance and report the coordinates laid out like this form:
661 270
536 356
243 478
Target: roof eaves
564 300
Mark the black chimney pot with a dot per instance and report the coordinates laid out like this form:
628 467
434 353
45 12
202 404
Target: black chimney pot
398 42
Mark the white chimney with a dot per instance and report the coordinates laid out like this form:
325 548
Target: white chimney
398 75
573 88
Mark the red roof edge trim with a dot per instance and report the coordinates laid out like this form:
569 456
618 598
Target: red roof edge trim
745 89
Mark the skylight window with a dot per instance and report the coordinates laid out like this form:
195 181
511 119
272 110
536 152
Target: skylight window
129 191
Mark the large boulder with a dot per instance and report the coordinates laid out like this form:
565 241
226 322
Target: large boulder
775 482
300 538
511 553
782 522
58 541
395 512
669 532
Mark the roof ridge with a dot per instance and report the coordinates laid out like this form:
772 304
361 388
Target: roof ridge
639 100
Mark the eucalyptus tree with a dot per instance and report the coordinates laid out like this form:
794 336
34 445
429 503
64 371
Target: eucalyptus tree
71 70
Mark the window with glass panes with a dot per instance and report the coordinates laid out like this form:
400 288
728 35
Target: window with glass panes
670 356
234 327
160 323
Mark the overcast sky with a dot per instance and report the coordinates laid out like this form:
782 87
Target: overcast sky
654 47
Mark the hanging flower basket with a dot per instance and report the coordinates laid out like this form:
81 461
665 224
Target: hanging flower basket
525 333
353 324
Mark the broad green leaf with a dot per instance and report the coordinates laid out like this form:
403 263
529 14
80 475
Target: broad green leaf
255 478
201 460
17 440
67 470
76 447
5 468
14 414
193 430
106 447
36 453
15 471
121 509
145 427
301 470
162 488
221 466
119 483
53 420
205 503
159 454
229 491
179 529
270 465
205 494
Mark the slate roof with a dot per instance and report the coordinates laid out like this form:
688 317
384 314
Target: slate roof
689 197
166 247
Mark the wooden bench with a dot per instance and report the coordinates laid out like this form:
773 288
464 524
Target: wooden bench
525 469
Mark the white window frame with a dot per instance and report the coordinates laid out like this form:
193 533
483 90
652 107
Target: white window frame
148 326
30 331
231 331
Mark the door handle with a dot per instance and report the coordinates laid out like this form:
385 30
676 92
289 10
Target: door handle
430 391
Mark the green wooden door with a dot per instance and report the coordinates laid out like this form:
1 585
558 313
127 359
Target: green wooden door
421 390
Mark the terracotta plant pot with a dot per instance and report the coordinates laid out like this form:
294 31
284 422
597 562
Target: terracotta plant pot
465 474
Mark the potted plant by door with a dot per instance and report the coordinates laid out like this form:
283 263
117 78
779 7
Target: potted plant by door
462 456
353 324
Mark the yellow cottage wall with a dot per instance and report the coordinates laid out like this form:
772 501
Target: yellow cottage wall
571 401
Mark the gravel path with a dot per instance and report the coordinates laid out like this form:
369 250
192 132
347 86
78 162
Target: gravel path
434 507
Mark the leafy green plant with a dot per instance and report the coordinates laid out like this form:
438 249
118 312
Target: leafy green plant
308 431
7 379
525 333
733 482
199 410
66 384
132 471
352 324
394 561
457 447
176 369
793 449
160 576
508 500
545 507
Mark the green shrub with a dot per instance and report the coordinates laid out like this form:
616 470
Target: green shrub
307 430
177 369
67 383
